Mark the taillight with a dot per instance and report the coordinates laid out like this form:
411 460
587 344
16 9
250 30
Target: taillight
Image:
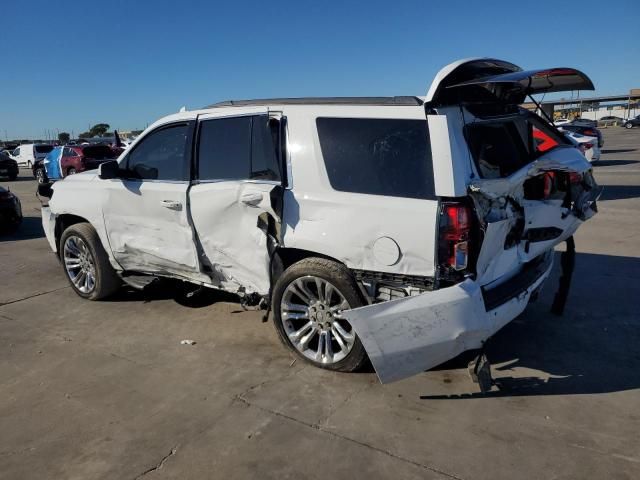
575 177
455 226
548 183
587 146
590 133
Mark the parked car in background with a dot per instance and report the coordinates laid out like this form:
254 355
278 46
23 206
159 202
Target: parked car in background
27 154
632 122
587 145
8 167
561 121
452 214
584 129
10 211
610 121
78 158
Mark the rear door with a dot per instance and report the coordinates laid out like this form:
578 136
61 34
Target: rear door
146 214
234 197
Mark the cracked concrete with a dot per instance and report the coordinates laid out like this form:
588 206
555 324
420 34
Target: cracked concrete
105 390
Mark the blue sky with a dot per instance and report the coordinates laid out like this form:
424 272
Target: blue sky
127 63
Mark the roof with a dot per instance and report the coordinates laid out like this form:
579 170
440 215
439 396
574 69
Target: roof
391 101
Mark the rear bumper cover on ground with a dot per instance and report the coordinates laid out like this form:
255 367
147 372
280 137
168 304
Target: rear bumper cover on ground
407 336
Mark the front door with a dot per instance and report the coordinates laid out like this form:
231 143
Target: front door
146 212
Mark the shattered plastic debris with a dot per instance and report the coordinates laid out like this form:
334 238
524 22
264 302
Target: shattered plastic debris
187 342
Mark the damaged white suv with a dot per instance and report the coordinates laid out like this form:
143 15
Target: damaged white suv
399 229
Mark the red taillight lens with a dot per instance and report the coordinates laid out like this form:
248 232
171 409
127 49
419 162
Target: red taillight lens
591 133
454 236
587 146
575 177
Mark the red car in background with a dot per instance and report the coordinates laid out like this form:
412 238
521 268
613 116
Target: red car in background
78 158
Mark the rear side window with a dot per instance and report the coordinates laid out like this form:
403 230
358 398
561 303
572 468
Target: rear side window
239 148
160 155
390 157
43 148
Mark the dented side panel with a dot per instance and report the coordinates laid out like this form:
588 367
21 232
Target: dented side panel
148 227
225 217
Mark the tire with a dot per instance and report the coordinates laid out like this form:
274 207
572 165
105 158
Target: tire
629 125
13 177
87 249
41 176
324 318
71 171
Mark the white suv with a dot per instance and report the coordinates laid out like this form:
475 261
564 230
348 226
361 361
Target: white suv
399 229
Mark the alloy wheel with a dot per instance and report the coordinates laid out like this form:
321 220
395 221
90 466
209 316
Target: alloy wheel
310 312
79 264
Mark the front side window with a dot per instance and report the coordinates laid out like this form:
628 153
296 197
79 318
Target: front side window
238 148
16 152
375 156
160 155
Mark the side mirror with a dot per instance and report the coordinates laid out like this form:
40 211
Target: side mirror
108 170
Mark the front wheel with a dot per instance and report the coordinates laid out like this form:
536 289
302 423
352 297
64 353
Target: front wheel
86 263
308 301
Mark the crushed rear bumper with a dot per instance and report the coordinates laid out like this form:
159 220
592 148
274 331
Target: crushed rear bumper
407 336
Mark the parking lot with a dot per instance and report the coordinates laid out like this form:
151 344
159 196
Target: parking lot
106 389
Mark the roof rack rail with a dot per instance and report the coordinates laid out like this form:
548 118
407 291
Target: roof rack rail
398 101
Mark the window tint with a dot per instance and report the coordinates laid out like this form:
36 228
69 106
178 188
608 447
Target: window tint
224 149
160 155
264 148
43 148
377 156
16 152
238 148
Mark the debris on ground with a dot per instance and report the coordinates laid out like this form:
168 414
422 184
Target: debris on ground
187 342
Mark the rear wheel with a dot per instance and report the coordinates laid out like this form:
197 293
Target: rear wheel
86 263
41 176
308 301
629 125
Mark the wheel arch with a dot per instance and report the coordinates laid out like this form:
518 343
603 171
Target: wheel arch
63 222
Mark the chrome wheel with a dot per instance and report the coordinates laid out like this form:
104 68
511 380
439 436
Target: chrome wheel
310 312
79 264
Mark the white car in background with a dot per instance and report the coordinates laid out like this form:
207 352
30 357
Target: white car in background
402 230
588 145
26 155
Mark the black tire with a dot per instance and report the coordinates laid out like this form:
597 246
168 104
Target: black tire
13 177
40 175
342 279
107 281
629 125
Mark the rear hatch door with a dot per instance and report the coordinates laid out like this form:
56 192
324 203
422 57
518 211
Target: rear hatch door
491 80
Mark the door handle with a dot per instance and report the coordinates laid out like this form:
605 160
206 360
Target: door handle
171 204
251 198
